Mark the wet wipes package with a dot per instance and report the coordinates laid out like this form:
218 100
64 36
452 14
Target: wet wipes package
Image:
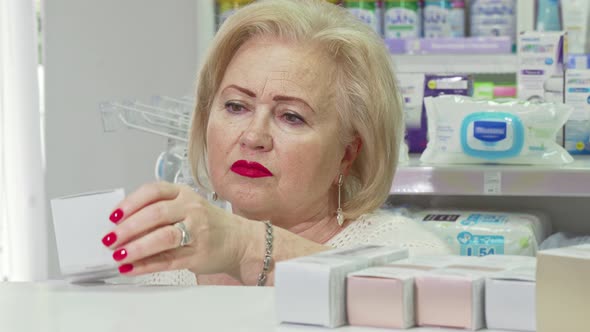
80 221
312 289
482 233
462 130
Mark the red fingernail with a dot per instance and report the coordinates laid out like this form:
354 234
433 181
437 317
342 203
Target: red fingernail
109 239
120 254
125 268
116 215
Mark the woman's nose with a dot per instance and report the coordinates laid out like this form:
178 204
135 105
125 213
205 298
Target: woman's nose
257 136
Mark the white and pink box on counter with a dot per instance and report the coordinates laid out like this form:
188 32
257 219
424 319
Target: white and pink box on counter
312 289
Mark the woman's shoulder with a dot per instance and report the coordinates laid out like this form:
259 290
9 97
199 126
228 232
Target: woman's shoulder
388 227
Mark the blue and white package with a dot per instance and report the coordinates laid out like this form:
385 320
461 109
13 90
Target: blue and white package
462 130
483 233
577 95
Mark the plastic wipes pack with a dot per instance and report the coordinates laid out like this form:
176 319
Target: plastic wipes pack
477 233
463 130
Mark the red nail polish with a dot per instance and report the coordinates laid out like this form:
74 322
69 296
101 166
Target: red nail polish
125 268
109 239
120 254
116 215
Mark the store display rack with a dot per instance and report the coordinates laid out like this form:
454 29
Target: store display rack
456 63
570 180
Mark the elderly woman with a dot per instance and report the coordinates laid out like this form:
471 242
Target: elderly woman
297 124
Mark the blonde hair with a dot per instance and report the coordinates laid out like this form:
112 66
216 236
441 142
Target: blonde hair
365 92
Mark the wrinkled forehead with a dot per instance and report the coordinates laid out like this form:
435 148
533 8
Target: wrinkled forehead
269 66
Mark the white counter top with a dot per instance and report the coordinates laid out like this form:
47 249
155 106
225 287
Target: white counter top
64 307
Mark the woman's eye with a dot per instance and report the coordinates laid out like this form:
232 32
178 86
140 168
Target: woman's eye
293 118
234 107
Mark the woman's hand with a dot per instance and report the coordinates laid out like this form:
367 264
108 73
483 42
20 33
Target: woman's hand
145 239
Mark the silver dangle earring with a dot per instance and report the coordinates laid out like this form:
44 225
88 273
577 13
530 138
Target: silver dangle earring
339 216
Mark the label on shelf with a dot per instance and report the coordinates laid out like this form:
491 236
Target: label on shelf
492 183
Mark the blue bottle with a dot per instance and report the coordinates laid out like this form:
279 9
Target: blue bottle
548 15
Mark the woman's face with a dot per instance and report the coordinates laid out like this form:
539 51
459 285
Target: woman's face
272 136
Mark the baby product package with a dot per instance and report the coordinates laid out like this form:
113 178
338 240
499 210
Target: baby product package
435 85
80 222
452 297
510 299
563 289
411 87
462 130
382 296
541 66
482 233
577 95
312 289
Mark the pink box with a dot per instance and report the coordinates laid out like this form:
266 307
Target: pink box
382 297
452 297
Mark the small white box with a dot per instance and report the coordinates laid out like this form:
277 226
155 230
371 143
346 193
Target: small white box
563 289
510 299
80 222
312 289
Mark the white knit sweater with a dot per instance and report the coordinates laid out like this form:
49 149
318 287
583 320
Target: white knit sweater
380 228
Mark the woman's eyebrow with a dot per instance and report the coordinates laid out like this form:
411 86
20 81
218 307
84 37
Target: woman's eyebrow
289 98
275 98
243 90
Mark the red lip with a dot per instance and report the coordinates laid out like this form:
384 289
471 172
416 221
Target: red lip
250 169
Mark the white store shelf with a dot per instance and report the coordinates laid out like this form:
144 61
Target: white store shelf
571 180
456 63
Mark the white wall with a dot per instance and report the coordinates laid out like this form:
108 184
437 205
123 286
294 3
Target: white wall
102 51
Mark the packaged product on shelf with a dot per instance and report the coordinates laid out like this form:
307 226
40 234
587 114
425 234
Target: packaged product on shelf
578 61
312 289
457 18
382 296
577 95
493 18
435 85
452 297
401 19
548 15
462 130
482 233
576 21
510 299
563 289
368 11
79 223
411 87
436 18
540 65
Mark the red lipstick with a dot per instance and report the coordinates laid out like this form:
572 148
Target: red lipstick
250 169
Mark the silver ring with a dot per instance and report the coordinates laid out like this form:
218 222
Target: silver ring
185 236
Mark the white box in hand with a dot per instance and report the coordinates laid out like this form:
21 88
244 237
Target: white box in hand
312 289
80 222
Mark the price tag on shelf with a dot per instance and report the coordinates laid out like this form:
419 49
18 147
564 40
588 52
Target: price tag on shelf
492 183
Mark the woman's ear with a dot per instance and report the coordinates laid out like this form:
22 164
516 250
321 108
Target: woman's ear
351 152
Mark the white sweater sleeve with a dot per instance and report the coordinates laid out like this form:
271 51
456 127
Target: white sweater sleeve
386 228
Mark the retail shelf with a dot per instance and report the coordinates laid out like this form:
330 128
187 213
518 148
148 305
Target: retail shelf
571 180
456 63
